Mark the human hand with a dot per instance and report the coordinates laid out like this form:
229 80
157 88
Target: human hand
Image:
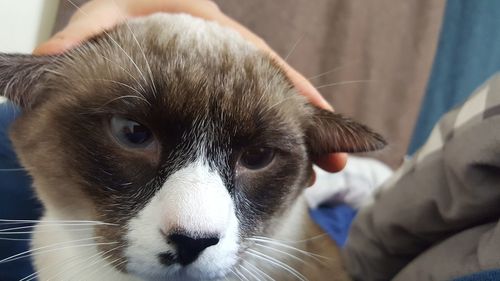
98 15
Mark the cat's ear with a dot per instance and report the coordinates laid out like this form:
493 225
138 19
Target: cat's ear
21 77
330 132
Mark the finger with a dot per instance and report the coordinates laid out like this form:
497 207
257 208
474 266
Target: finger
97 16
55 45
91 19
209 10
306 88
332 162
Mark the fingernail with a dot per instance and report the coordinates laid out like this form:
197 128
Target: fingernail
328 106
55 45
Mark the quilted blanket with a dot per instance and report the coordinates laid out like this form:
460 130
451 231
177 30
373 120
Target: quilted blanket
437 217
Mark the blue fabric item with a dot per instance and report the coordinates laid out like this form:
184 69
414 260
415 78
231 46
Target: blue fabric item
468 53
335 220
490 275
17 201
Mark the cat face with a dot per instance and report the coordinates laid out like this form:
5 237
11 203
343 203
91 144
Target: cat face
177 134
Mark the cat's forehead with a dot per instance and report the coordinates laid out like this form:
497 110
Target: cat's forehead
182 65
175 49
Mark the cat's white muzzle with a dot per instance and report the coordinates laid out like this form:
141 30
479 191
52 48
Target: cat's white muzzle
193 202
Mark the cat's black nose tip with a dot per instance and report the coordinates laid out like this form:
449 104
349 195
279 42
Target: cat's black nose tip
188 249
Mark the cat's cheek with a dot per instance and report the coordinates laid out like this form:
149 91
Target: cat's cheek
193 201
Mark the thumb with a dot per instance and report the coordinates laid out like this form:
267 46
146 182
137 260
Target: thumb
87 22
56 45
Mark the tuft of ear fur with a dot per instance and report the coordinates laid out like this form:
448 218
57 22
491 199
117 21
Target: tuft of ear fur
21 75
330 132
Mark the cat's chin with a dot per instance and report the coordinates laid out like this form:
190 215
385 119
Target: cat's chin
184 274
209 266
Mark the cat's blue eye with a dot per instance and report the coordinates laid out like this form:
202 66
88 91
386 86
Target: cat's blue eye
130 133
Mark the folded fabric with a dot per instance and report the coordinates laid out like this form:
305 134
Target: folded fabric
335 198
355 185
335 221
437 217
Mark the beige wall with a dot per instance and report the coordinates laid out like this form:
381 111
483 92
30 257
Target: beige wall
389 42
25 23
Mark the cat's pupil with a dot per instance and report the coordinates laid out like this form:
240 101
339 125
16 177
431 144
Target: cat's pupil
131 133
257 158
136 133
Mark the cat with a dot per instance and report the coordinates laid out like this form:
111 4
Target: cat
169 148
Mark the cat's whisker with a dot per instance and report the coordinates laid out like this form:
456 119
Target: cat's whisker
96 258
266 88
142 51
251 204
126 71
235 274
280 251
276 262
57 249
104 256
43 231
80 51
345 83
55 72
258 270
322 235
335 69
241 274
109 271
12 170
276 242
10 221
42 226
14 257
36 274
263 93
14 239
139 94
249 272
294 46
278 103
123 97
114 41
98 269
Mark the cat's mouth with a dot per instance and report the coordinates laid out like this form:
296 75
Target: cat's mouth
215 262
168 258
176 272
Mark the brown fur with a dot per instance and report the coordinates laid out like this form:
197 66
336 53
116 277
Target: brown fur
185 91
